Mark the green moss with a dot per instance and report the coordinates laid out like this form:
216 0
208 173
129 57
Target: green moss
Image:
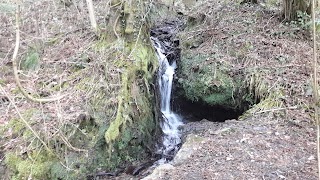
57 171
32 61
36 170
12 160
222 99
131 131
110 140
129 95
37 165
16 124
204 79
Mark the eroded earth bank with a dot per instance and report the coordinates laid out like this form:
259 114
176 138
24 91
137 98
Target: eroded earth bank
242 60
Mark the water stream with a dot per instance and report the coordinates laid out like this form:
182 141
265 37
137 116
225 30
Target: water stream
171 121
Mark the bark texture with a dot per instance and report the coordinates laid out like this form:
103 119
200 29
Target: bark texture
292 7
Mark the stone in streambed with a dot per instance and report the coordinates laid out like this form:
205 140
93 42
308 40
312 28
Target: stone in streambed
159 172
188 148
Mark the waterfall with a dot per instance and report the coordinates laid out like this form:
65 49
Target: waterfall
171 121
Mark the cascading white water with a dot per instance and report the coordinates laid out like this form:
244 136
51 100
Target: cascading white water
171 121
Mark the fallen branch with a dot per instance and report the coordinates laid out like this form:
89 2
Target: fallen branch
15 66
64 139
315 84
23 120
92 16
277 109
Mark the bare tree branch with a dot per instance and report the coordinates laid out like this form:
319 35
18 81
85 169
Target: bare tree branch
23 120
92 16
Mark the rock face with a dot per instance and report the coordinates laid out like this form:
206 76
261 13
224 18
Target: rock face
205 74
190 146
202 77
159 172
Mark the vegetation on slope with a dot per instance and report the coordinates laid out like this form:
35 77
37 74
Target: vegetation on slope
107 118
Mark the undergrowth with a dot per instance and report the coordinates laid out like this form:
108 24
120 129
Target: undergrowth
106 119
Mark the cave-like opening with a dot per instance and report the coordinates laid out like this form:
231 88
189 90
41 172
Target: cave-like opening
196 111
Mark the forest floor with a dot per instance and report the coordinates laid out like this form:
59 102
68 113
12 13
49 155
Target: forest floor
257 148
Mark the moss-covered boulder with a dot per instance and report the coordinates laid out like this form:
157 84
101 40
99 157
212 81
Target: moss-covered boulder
207 73
203 79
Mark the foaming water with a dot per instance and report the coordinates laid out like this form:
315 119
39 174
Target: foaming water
171 121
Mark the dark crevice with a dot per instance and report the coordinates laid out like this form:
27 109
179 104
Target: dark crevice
197 111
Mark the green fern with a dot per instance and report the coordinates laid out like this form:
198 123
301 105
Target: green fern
32 61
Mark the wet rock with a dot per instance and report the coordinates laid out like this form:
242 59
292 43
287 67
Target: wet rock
188 148
159 172
220 131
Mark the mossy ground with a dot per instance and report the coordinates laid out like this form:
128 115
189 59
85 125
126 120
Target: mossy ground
116 129
107 118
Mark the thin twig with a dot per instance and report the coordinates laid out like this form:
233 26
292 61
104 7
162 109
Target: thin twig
315 84
277 109
115 27
65 140
23 120
92 16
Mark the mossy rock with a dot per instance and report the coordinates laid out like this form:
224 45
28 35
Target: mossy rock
204 78
35 164
131 133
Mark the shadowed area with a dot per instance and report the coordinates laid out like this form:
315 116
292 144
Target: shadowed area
196 111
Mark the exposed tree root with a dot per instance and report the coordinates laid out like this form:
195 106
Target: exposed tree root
15 67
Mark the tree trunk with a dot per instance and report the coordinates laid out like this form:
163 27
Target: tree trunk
91 15
292 7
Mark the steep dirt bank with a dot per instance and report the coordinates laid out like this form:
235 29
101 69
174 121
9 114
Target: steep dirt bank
106 119
267 60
